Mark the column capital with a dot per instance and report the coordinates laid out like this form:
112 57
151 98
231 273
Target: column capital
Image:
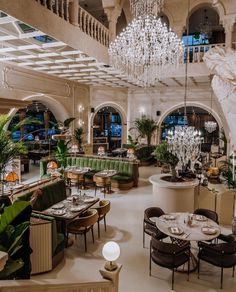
228 22
113 13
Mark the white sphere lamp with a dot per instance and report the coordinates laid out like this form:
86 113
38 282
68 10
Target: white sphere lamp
111 252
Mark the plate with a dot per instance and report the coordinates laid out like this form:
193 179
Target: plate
175 230
58 206
89 200
209 230
59 212
168 217
200 218
76 209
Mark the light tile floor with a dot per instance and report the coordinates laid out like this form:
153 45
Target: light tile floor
125 227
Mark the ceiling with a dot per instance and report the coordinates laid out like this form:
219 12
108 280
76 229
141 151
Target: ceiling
30 48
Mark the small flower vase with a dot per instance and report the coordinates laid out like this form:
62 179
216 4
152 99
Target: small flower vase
234 225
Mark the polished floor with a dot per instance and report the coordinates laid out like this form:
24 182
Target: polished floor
125 227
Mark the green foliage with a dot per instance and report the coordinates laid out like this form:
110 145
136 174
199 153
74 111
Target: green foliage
79 135
145 127
163 155
144 153
226 171
8 149
67 122
11 237
61 152
132 143
224 139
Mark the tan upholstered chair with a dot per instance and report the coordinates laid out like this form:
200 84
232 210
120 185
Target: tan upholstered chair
83 224
103 209
103 183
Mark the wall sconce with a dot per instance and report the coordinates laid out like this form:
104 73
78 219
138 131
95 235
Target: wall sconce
111 252
80 108
80 122
142 111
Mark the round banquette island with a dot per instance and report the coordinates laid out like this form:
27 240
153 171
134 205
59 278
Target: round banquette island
173 196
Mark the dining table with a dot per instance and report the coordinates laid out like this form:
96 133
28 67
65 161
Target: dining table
103 178
184 226
76 174
70 208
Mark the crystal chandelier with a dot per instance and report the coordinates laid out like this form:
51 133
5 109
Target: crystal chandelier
185 141
146 7
146 49
210 126
205 27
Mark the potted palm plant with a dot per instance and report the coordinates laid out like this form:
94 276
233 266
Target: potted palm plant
146 127
79 137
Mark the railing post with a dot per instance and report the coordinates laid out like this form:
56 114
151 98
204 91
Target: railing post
112 276
74 12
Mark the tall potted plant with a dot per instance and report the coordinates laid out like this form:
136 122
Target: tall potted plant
163 155
8 149
146 127
79 137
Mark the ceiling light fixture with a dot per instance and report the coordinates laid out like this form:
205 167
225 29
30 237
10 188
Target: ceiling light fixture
146 49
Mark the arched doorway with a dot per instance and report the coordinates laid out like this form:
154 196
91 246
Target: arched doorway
196 116
204 27
107 129
43 130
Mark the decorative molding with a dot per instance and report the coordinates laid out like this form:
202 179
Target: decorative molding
14 78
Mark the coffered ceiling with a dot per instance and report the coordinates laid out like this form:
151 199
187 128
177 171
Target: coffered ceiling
30 48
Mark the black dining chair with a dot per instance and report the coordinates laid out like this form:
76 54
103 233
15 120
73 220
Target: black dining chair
222 255
207 213
149 226
169 255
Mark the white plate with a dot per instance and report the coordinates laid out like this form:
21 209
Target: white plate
209 230
58 206
89 200
76 209
168 217
175 230
59 212
200 218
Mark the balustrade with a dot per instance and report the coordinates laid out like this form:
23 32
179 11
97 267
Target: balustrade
195 53
86 22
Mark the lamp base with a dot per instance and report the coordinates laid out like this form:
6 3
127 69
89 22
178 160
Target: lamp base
110 266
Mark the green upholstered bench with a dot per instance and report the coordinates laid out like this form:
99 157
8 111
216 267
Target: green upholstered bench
127 170
51 194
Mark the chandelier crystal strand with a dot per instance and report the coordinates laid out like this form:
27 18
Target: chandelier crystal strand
210 126
146 50
185 141
144 7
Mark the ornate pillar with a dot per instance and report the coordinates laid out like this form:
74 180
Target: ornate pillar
113 14
74 12
178 29
228 24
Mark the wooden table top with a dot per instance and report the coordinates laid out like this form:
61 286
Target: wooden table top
71 207
176 225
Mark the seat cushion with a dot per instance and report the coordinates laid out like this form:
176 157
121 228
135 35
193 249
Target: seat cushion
121 179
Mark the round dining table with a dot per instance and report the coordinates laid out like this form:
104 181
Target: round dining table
187 226
182 227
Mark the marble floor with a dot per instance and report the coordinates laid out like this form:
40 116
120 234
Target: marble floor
125 227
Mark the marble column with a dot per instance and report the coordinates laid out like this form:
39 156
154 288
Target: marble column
228 24
113 14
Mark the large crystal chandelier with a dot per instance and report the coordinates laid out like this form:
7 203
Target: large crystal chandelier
205 27
185 141
146 49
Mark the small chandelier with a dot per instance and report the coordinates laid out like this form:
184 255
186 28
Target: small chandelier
205 27
146 49
210 126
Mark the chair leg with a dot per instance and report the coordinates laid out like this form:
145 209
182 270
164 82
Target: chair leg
188 266
173 277
105 223
92 234
95 190
198 268
221 279
85 241
98 229
143 236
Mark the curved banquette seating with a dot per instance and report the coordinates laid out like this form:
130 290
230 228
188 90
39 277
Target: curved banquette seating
127 170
